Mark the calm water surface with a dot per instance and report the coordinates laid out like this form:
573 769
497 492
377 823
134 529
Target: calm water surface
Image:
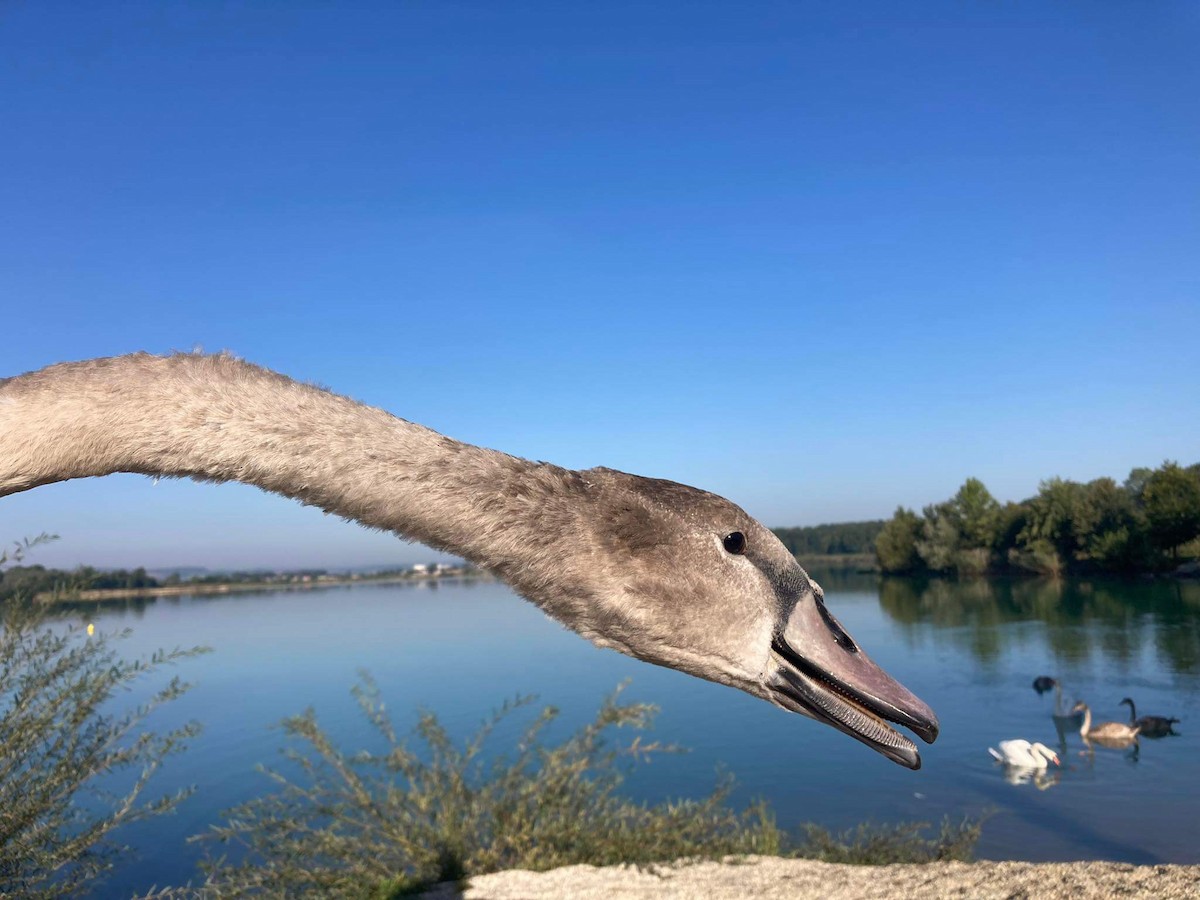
970 650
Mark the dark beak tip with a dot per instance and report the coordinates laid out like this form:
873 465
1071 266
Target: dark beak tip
930 732
910 759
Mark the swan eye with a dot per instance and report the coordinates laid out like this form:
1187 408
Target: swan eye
735 542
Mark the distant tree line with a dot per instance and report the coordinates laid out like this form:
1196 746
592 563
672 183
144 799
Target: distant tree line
1101 526
29 581
831 540
257 576
1138 526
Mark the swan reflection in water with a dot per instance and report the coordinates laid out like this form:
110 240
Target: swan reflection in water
1088 754
1042 779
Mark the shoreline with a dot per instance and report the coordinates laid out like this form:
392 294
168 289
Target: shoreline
100 595
840 563
772 878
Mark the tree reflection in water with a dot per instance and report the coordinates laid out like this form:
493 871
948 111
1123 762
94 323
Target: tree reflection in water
1082 620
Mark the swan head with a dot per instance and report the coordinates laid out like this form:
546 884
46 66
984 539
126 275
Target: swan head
1044 683
1045 752
688 580
1126 702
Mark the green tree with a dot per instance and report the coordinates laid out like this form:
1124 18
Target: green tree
1171 500
1135 484
824 540
896 545
1116 539
977 513
1011 520
1060 519
939 542
959 534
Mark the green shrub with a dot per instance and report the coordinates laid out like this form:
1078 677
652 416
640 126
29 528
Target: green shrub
383 822
59 741
386 823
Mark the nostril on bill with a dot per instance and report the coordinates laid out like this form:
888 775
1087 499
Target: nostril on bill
840 637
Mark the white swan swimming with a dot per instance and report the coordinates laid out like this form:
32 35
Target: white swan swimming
1018 752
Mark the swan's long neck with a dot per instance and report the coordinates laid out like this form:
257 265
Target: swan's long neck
1087 722
218 419
1132 713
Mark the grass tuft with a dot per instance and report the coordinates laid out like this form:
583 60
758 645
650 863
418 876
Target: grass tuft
872 844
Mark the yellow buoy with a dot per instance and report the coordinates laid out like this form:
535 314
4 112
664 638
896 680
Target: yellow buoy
91 629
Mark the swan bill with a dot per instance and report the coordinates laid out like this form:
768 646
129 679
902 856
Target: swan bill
818 698
820 672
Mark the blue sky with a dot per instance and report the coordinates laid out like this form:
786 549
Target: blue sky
823 259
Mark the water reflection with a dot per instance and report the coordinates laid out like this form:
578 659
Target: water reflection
970 649
1113 743
1083 620
1128 744
1066 725
135 607
1042 779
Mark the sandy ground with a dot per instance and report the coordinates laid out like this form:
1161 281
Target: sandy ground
768 877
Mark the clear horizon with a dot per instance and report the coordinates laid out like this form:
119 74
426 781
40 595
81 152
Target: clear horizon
823 261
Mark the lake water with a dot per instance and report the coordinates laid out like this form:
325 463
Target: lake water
461 649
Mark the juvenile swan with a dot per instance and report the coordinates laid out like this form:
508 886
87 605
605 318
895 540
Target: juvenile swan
1108 734
660 571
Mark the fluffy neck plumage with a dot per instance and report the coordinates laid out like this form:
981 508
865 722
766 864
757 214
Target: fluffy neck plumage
216 418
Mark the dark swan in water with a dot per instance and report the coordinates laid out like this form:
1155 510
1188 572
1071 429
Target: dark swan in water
660 571
1149 726
1064 718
